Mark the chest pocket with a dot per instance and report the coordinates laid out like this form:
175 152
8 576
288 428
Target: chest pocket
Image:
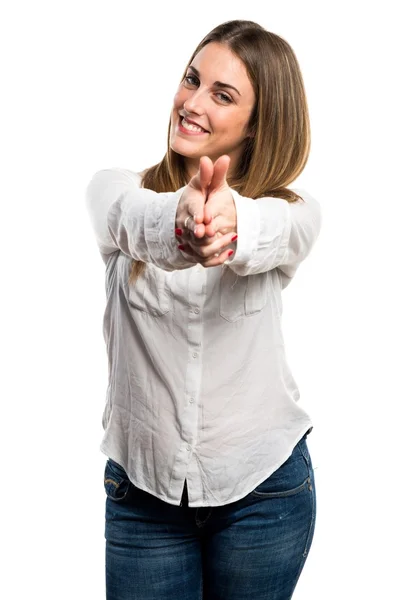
151 292
242 296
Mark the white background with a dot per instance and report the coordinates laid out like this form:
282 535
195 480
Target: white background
89 85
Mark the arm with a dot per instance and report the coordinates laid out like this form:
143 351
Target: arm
274 233
135 220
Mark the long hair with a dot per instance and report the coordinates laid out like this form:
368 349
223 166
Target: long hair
279 147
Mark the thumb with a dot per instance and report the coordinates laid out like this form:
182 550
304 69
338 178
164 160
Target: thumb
221 167
203 177
206 171
201 182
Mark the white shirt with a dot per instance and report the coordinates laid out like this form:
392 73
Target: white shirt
199 385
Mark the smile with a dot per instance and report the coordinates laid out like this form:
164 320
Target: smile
190 129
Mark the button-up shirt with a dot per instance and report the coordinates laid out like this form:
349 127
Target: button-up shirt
199 386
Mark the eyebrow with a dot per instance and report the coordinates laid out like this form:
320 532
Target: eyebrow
216 83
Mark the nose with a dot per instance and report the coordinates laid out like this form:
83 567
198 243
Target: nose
195 103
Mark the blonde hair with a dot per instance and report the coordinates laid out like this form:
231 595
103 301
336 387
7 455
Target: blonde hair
279 147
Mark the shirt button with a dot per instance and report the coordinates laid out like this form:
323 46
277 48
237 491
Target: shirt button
191 400
197 310
195 355
188 448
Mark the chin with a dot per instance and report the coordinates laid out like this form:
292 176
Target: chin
186 152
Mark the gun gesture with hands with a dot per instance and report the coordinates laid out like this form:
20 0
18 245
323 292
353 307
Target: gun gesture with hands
206 214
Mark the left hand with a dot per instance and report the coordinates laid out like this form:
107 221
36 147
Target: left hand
220 209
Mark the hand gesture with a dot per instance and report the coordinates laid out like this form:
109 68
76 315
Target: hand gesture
193 199
205 240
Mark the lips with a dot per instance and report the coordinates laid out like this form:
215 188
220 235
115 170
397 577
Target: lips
193 123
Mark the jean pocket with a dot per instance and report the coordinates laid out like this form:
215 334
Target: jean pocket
116 481
242 297
291 478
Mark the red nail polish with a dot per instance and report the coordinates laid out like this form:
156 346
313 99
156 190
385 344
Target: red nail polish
234 238
178 231
181 247
230 252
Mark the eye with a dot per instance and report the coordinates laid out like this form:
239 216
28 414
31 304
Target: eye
192 80
188 77
224 97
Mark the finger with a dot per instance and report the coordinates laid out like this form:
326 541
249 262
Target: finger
206 170
208 214
207 251
203 177
200 183
187 234
192 225
213 261
198 230
218 260
221 167
204 241
211 230
217 226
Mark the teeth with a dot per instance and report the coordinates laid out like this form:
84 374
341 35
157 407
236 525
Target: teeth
191 127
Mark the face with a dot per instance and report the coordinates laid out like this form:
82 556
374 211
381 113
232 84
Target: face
212 108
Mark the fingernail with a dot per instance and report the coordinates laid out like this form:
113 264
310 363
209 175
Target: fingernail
234 238
230 252
181 247
178 231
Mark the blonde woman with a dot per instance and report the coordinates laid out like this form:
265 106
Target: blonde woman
210 490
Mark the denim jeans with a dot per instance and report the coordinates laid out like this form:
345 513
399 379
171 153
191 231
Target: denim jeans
254 548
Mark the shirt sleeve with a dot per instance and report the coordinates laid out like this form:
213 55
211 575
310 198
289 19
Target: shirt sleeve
135 220
274 233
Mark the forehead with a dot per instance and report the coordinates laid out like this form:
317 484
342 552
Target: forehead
216 62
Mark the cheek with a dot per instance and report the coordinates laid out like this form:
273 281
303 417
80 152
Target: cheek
176 100
180 98
231 126
239 125
220 122
176 107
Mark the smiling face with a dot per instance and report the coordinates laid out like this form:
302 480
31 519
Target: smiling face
212 108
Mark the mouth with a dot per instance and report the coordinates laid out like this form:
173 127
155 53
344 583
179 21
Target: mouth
190 128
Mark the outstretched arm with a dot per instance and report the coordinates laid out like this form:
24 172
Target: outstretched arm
134 220
271 231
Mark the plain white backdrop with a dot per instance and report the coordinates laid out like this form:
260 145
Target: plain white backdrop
89 85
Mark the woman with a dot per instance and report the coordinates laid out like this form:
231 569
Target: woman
209 482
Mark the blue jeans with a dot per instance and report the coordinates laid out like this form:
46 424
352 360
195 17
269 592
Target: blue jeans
254 548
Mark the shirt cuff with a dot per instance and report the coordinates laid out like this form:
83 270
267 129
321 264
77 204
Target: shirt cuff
160 231
167 237
264 227
248 229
